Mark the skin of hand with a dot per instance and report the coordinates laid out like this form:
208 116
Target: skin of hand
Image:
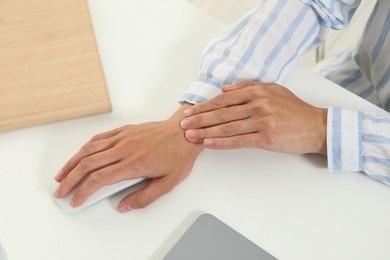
257 115
157 151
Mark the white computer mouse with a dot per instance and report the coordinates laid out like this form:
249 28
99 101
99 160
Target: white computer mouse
99 195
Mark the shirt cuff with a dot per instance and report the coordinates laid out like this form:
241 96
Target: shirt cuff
201 90
344 140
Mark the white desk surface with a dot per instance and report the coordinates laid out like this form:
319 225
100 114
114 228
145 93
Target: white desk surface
289 205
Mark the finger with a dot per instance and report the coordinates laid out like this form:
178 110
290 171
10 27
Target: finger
234 142
241 85
239 127
74 160
147 195
107 134
220 101
88 149
108 175
85 167
245 84
216 117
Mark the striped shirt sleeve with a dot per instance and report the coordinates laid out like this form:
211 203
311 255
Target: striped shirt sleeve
266 42
364 67
359 141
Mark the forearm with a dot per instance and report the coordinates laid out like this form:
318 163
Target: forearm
264 44
259 47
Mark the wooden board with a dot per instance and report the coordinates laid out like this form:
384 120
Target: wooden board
49 63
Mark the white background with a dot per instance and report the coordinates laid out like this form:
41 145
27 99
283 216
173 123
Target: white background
289 205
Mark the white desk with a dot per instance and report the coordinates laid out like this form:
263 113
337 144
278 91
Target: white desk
289 205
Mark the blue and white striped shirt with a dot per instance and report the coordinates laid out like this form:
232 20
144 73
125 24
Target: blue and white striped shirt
264 44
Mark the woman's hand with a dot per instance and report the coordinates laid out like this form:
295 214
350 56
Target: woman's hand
261 115
157 151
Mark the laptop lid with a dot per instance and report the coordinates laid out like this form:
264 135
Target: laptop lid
210 238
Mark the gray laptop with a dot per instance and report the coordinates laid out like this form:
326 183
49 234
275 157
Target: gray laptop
211 239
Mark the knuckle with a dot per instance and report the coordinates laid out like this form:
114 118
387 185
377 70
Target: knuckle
88 148
266 102
96 137
221 144
67 167
256 107
267 106
238 142
218 101
141 202
123 145
230 143
271 125
271 135
201 133
86 163
222 113
140 162
228 129
272 85
198 120
96 179
245 84
137 164
66 185
248 83
199 108
270 139
257 91
65 182
263 105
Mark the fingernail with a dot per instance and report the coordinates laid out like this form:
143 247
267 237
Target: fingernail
125 208
208 142
191 133
185 123
59 175
188 112
57 193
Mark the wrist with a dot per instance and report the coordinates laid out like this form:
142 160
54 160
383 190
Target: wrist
174 121
321 142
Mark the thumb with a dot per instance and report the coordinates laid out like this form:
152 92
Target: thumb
147 195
